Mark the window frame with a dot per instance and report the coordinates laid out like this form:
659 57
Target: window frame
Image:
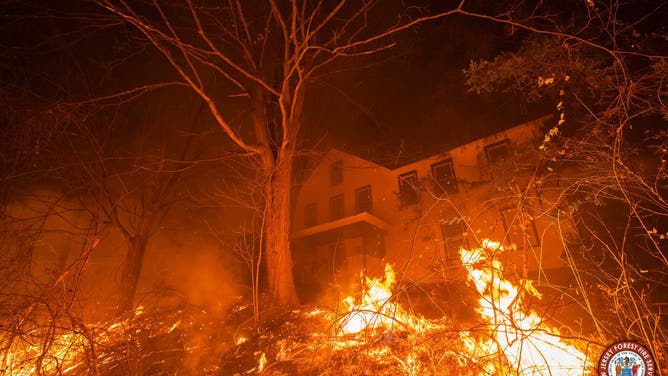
358 209
409 187
494 147
450 253
340 215
452 186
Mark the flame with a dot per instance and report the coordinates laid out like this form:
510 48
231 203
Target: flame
63 349
52 350
240 340
527 343
376 310
514 340
261 362
174 326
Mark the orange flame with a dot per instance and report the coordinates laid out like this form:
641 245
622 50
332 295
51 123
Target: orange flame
376 309
43 352
261 362
529 345
514 341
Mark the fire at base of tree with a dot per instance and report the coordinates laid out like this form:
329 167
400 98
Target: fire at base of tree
372 333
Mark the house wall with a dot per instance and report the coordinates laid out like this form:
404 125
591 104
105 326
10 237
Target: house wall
357 173
415 244
321 262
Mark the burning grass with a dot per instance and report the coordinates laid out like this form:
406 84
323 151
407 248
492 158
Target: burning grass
370 334
374 335
147 342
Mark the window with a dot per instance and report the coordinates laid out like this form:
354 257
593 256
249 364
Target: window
408 188
497 151
363 200
520 228
311 215
454 237
444 177
336 173
336 207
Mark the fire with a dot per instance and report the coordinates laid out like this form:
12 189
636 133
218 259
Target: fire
261 362
63 349
373 329
528 344
376 310
55 350
514 340
240 340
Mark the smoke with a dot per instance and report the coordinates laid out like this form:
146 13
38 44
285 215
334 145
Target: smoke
189 267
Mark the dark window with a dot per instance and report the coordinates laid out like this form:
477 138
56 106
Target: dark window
408 188
363 200
454 237
497 151
336 207
520 228
336 173
444 177
311 215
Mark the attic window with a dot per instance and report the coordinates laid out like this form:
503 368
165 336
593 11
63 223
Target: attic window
408 188
497 151
336 173
444 177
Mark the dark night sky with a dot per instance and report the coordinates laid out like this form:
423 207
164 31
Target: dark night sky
410 98
411 95
414 101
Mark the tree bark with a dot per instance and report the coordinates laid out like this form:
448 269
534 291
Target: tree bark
278 256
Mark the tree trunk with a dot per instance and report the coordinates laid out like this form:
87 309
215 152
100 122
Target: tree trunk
278 257
131 269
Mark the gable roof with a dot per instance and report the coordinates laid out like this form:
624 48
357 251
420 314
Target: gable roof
398 154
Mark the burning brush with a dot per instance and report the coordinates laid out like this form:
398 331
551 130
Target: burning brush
513 339
524 343
375 335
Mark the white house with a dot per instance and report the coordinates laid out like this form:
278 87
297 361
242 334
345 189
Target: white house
352 214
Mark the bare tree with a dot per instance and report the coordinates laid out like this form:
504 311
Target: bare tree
126 186
265 52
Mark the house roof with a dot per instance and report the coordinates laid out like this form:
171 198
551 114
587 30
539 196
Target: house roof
396 154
